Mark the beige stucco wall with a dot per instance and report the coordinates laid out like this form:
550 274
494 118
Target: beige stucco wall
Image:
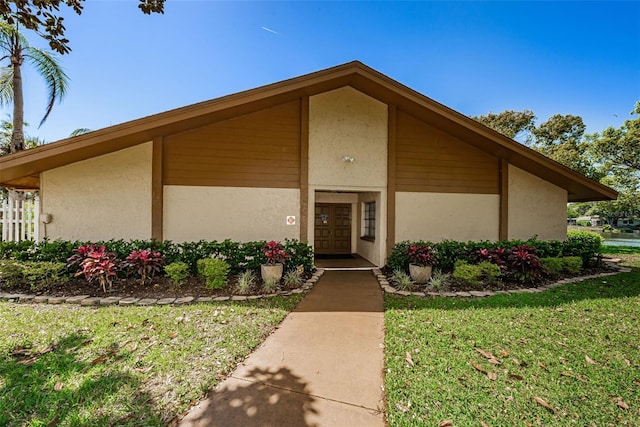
372 251
218 213
536 207
102 198
439 216
346 122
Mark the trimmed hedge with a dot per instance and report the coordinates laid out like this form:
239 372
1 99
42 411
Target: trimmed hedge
240 256
39 275
583 244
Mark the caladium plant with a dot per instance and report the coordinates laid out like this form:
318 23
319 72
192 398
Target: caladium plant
145 263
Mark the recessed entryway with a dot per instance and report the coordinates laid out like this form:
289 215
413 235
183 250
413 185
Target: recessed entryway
343 222
332 229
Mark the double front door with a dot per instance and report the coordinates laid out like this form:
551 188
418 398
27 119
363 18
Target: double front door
333 228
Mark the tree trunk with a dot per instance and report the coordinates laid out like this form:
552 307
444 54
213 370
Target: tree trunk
17 137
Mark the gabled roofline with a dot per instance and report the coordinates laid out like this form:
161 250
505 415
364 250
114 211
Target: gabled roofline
20 170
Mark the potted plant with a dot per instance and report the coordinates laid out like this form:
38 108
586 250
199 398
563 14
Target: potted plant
420 263
276 256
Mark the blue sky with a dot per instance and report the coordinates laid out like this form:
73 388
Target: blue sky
570 57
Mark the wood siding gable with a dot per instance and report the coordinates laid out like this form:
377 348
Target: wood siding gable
430 160
259 149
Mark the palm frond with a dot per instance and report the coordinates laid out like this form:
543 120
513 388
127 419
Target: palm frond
56 80
8 35
6 85
80 131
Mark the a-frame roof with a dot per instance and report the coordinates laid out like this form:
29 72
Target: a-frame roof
21 170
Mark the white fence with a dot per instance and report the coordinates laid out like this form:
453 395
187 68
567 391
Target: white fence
19 219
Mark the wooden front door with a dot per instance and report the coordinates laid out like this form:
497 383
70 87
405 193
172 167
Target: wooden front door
333 228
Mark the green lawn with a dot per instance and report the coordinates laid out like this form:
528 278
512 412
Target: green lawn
69 365
630 256
575 348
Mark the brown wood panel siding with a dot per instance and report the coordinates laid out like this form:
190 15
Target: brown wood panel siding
503 233
391 178
304 169
157 190
260 149
429 160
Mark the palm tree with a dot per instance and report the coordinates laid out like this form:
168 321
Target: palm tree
6 131
15 48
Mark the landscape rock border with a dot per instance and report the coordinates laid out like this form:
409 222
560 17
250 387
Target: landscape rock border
87 301
387 288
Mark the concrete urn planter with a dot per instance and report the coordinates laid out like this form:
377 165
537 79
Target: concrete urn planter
419 273
271 271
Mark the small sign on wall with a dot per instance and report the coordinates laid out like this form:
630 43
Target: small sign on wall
291 220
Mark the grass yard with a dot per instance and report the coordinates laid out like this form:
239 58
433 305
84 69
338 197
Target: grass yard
70 365
629 255
565 357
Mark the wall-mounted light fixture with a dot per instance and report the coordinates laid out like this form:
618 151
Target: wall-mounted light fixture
348 159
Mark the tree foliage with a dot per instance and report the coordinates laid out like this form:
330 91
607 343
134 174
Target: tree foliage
6 130
560 138
619 148
509 123
44 17
611 157
15 49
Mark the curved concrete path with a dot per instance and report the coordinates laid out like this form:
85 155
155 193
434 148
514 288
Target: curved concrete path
322 367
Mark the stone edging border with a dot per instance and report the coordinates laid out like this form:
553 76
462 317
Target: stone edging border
387 288
86 300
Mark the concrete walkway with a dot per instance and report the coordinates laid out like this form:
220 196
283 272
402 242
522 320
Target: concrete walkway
322 367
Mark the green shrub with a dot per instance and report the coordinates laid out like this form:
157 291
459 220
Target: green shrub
44 274
572 264
39 275
489 272
11 273
401 280
553 265
547 248
474 274
53 251
466 272
585 244
20 251
214 271
177 272
301 255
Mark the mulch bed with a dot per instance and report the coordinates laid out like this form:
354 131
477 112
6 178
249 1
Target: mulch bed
458 286
159 287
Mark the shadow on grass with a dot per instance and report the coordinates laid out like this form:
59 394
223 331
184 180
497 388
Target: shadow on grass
623 285
29 394
269 398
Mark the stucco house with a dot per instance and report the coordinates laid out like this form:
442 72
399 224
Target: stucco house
345 158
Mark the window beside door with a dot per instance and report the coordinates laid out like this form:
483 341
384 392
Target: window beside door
369 223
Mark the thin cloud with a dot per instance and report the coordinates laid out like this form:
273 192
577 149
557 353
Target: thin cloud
270 30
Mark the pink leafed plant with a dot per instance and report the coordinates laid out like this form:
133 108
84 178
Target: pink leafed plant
421 255
275 253
99 265
145 263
